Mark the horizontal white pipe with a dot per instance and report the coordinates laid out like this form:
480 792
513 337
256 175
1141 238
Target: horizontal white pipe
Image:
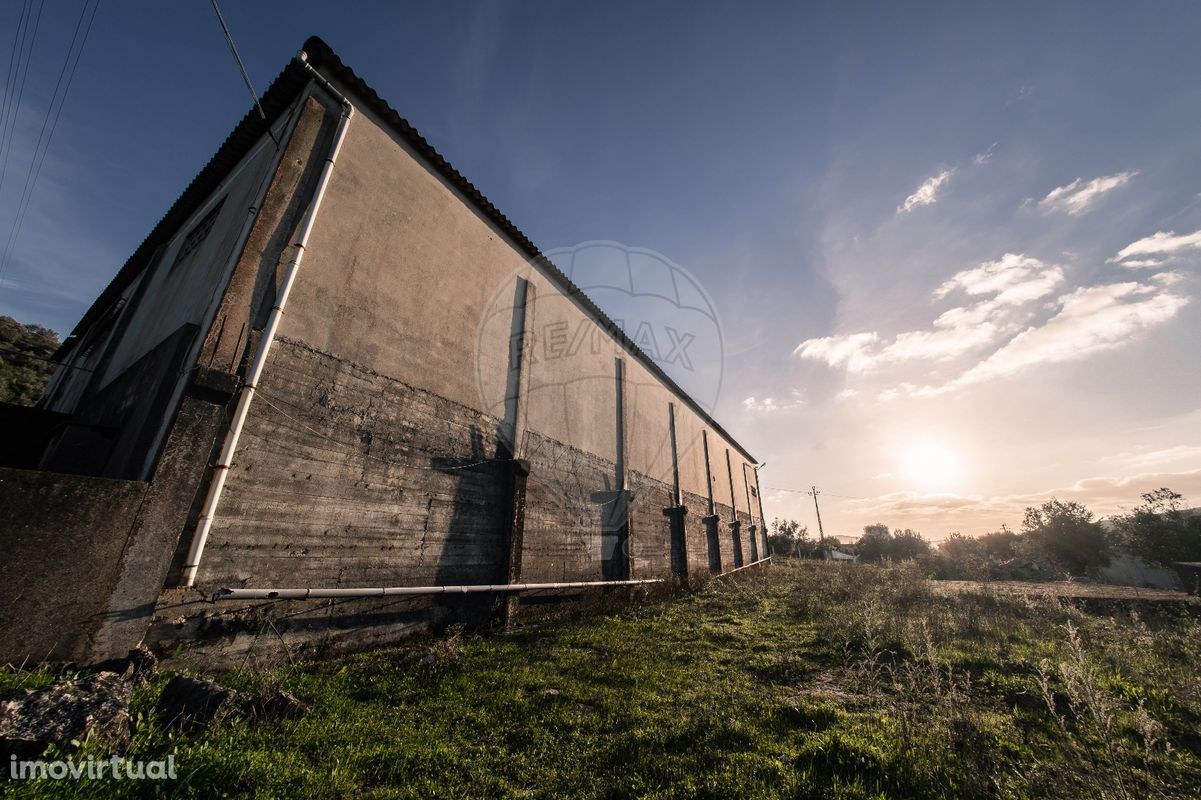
390 591
221 469
746 566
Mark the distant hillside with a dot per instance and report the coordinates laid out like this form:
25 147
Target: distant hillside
25 360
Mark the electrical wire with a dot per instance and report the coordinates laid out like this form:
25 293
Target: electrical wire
45 138
254 95
19 78
806 491
9 83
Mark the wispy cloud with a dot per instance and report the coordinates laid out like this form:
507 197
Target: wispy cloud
1085 321
852 352
1103 495
927 193
983 158
1163 243
1014 280
1076 197
1089 320
1169 278
770 405
1169 455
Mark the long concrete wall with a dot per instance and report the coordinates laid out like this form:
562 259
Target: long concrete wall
423 364
419 357
396 368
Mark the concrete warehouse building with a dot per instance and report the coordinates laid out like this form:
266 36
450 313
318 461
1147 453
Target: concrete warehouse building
331 383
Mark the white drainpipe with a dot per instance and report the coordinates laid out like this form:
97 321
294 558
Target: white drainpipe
393 591
745 566
390 591
225 461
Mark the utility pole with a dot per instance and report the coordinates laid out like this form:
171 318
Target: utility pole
820 533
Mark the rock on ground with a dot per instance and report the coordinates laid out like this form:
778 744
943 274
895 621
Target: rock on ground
97 705
193 703
140 665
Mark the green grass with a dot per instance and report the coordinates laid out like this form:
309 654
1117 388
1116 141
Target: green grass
805 680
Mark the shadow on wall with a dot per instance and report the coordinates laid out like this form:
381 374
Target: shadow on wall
473 544
615 533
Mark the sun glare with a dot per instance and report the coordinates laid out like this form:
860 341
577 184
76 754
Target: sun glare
931 464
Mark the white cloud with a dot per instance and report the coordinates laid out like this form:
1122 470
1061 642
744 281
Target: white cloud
1014 278
1014 281
892 393
850 351
1104 496
983 158
1085 321
1143 263
927 193
1163 243
1090 319
1170 455
1077 196
847 394
770 405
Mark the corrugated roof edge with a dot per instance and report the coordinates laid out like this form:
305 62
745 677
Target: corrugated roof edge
290 81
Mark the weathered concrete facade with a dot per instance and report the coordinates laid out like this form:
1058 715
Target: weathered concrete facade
419 422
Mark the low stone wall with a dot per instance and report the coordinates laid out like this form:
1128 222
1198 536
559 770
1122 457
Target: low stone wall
61 542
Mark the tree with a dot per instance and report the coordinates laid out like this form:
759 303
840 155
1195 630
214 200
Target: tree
907 544
25 360
1000 544
1068 536
874 544
961 557
1159 531
962 548
789 538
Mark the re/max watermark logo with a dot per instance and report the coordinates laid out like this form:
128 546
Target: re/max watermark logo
91 768
556 340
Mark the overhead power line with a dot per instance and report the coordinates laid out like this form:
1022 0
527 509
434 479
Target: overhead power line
9 82
49 125
254 95
18 78
808 491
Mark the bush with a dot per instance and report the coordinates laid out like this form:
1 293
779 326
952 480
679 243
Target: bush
1159 531
25 360
1068 536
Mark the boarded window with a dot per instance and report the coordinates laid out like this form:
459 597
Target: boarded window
197 234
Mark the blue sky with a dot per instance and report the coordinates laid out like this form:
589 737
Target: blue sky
911 218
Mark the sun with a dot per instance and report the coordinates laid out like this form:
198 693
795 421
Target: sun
931 464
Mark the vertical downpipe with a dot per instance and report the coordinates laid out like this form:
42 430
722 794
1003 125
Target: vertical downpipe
712 539
675 457
516 471
225 461
623 497
751 514
708 470
762 518
675 514
734 525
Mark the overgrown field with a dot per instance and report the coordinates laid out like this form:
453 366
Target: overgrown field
804 680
